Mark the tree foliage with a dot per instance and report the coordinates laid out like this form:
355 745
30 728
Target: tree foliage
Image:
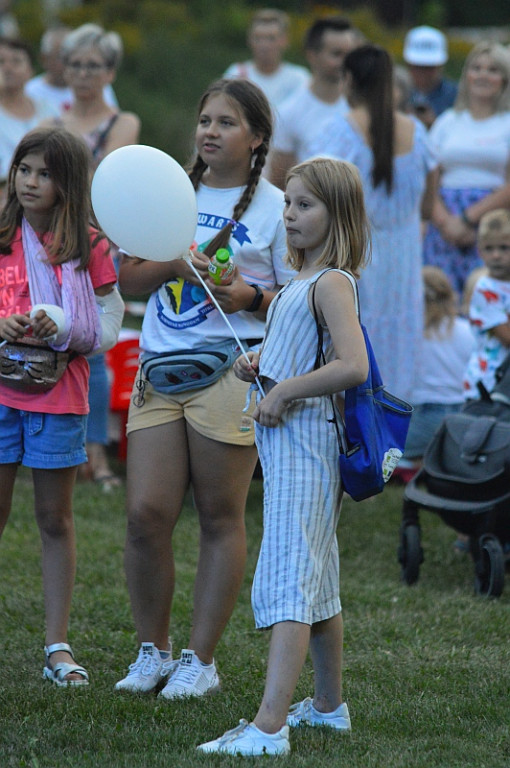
175 48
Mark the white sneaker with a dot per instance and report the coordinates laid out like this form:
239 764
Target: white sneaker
247 739
145 674
191 678
304 713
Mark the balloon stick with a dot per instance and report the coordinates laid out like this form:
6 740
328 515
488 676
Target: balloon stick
187 257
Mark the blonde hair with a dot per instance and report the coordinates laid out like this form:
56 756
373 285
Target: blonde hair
337 184
440 300
501 58
493 224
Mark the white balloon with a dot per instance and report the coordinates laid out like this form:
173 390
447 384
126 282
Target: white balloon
145 203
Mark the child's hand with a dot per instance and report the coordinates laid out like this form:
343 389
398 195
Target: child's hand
244 371
43 326
234 296
201 263
14 327
269 411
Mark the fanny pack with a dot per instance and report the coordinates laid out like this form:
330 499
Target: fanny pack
30 368
172 372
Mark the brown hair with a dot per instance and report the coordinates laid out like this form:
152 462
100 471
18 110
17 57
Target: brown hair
371 84
271 16
251 101
18 45
68 160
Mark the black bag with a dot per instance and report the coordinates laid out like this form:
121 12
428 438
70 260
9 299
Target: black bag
469 458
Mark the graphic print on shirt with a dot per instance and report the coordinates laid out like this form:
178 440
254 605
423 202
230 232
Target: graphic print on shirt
14 295
183 305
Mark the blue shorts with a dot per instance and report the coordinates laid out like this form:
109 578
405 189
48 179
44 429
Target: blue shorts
42 440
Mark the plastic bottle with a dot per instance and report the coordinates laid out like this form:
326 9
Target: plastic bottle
221 267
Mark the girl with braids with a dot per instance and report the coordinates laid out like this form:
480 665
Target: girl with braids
391 152
200 436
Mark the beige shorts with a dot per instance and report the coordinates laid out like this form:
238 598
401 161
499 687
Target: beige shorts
215 411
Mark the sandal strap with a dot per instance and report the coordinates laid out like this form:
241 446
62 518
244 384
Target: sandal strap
63 668
54 647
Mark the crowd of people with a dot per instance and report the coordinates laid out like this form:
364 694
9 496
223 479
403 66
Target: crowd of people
312 178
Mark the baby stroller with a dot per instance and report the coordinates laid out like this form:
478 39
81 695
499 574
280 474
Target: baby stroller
465 479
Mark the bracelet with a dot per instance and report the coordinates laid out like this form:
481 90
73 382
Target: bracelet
465 219
257 301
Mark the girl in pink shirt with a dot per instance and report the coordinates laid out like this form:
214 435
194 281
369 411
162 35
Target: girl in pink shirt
54 270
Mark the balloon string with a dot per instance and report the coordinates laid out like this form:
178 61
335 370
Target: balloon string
214 301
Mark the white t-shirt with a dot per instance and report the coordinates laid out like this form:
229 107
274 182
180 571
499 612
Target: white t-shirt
61 97
12 130
180 315
301 119
443 360
277 86
489 307
473 154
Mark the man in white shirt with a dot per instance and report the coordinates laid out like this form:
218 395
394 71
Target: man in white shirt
50 86
268 39
300 119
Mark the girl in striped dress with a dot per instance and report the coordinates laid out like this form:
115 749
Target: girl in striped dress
296 585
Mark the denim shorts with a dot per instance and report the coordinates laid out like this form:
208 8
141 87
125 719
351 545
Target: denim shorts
42 440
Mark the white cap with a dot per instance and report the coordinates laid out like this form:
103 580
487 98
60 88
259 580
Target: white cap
425 47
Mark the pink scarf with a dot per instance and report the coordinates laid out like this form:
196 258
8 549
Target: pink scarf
75 296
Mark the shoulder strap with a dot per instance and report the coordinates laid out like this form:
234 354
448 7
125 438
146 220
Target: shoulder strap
319 355
101 139
321 358
320 333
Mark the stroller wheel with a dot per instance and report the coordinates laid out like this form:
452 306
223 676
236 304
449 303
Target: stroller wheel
410 553
489 567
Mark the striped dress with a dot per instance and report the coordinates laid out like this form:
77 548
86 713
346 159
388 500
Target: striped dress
297 574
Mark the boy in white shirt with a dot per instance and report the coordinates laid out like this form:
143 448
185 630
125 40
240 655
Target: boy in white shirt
308 109
489 310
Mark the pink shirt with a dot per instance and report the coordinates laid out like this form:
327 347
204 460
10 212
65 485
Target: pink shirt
70 393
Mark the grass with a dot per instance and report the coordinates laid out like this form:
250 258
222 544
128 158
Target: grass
427 668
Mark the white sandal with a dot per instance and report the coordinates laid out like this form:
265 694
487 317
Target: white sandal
58 674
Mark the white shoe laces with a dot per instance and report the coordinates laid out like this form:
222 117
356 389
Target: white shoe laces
234 733
146 664
168 667
185 674
302 709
